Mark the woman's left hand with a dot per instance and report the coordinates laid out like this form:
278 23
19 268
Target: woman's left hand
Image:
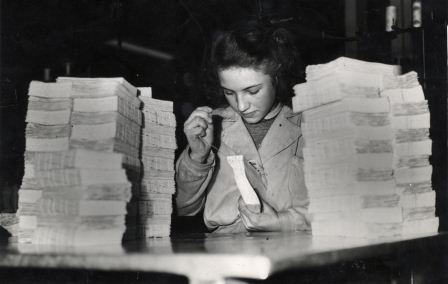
266 220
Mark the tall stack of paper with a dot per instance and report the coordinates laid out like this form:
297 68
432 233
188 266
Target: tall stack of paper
348 165
107 117
83 139
411 122
158 146
362 151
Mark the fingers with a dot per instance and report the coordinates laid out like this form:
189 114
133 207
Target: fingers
198 122
197 126
201 112
198 129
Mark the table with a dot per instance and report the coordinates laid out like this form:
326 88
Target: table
214 258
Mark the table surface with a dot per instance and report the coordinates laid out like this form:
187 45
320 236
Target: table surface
211 257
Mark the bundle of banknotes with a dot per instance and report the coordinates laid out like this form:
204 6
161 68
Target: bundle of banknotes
82 161
367 149
158 148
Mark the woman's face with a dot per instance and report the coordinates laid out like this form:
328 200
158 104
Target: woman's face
249 91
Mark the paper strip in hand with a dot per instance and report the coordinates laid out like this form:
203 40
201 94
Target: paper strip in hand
247 192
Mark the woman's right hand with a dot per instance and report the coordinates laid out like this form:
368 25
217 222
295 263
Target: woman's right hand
199 131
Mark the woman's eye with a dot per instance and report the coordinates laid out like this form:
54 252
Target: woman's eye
253 92
228 93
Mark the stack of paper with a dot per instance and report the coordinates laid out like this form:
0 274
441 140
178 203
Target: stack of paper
84 197
348 165
158 146
346 77
81 161
29 194
357 154
106 116
411 122
318 71
48 117
48 129
349 146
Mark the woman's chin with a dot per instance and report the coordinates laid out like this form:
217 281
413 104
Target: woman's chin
252 120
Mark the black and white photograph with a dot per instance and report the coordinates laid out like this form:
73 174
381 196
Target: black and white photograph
213 141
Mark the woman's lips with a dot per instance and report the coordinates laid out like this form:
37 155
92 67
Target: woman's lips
249 115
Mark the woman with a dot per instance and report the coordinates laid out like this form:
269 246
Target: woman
253 69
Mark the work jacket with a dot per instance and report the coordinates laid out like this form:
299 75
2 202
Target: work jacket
279 162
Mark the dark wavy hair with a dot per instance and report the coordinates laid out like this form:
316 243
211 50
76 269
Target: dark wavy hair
256 45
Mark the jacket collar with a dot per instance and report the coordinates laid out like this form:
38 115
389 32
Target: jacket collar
287 126
236 136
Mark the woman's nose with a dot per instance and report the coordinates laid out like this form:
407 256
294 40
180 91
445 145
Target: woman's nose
242 102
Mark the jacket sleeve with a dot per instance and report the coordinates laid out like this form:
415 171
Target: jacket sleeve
192 179
294 219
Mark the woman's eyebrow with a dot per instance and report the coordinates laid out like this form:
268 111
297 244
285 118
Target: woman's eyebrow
250 87
245 89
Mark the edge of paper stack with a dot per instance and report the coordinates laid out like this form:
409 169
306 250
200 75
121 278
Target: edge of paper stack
97 168
158 147
367 149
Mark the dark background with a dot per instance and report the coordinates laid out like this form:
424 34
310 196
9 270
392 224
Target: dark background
70 37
